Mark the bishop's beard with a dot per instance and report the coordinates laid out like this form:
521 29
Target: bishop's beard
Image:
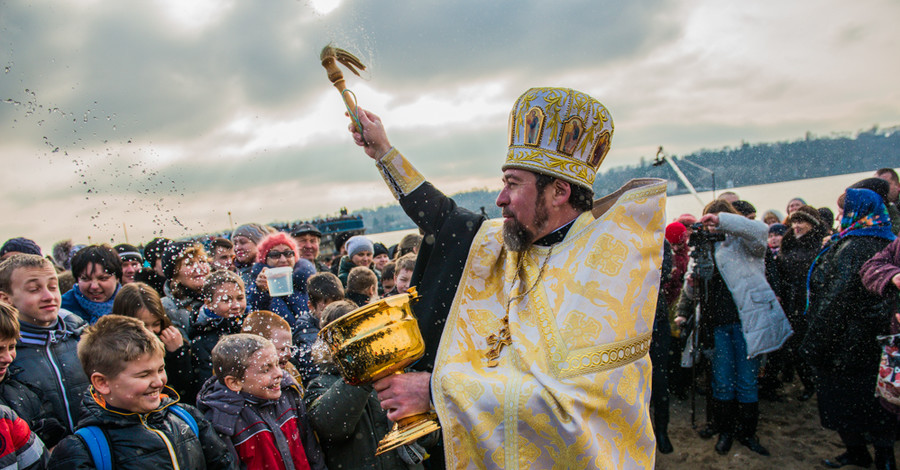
515 236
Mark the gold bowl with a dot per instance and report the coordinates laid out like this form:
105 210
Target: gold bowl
375 341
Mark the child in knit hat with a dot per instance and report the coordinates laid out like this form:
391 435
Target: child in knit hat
360 252
245 238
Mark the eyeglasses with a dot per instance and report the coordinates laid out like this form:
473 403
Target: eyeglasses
278 254
289 350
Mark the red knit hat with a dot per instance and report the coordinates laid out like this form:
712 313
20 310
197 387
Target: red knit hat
676 233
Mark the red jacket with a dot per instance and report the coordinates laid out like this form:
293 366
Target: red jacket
265 434
19 447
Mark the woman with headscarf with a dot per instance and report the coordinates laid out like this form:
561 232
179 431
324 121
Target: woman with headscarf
844 320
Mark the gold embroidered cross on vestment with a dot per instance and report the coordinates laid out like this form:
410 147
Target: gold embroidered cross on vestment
503 337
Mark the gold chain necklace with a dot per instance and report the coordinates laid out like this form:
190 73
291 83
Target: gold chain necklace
503 337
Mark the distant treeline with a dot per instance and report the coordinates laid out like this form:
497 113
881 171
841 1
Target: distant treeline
749 164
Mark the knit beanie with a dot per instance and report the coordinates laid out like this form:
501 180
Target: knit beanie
170 256
255 232
359 244
129 253
380 249
778 229
676 233
20 245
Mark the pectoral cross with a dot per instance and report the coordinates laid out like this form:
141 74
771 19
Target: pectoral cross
497 342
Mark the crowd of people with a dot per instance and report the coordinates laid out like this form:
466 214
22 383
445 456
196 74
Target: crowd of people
751 304
178 355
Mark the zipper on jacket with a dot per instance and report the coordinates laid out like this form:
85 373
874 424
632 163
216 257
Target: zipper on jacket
51 341
169 447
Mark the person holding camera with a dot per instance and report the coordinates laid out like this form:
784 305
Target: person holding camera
740 316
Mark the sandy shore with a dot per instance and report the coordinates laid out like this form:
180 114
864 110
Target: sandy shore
790 429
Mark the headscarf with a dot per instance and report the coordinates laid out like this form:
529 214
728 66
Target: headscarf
865 215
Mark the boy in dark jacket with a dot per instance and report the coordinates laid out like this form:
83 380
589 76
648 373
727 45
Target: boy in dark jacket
128 402
46 352
362 286
258 407
223 311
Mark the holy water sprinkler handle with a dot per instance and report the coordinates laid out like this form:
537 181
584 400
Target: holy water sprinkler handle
330 56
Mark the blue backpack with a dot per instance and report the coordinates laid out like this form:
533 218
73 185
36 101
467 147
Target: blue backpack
98 444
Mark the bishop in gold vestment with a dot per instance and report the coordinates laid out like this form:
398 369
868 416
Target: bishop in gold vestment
538 353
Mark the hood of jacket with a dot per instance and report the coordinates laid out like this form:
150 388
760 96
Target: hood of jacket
222 406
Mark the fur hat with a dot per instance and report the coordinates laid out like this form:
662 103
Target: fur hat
359 244
803 216
20 245
744 207
878 185
559 132
129 253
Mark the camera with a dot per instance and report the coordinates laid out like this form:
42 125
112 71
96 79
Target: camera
702 241
703 237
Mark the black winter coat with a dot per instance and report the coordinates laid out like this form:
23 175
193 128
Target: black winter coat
840 344
349 422
844 318
47 359
794 259
204 336
135 444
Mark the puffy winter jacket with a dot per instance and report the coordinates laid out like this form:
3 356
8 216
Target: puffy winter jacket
47 359
289 307
157 440
349 422
204 336
265 434
19 447
305 334
740 260
29 404
182 306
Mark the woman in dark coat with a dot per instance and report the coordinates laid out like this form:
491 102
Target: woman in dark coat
844 320
799 247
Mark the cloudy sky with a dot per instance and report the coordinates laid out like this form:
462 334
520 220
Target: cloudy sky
162 116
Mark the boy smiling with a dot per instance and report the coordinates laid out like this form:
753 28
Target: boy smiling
258 407
128 401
